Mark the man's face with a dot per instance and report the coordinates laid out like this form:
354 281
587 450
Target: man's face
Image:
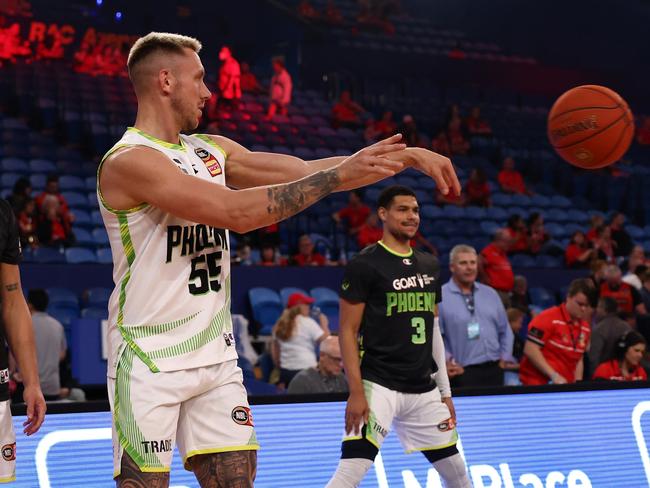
402 217
52 187
578 306
189 92
305 246
464 268
330 363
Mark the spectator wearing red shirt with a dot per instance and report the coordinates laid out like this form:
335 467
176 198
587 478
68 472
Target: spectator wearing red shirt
510 179
370 232
269 256
52 192
477 190
306 10
495 268
578 253
27 224
229 80
333 15
476 125
518 234
457 141
537 235
557 340
347 112
628 298
440 144
355 214
386 126
306 255
53 229
280 90
643 132
248 81
626 364
595 222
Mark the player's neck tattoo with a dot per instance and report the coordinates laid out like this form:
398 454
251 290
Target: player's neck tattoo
289 199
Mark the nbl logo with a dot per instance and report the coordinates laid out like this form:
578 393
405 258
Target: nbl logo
9 452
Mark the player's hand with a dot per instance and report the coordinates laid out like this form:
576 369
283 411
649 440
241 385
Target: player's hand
452 411
454 369
356 413
373 160
438 167
36 407
558 379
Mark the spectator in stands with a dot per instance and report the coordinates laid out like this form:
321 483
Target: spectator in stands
518 234
578 253
269 256
473 323
557 340
295 337
604 245
409 130
280 89
371 133
28 225
248 81
449 199
307 10
519 298
628 298
620 236
477 190
597 275
645 290
307 256
595 222
51 345
634 279
386 126
636 258
440 144
477 125
495 268
52 192
229 83
327 376
516 319
457 141
537 235
346 112
608 329
370 232
625 364
510 179
333 15
53 229
20 194
354 214
243 254
643 132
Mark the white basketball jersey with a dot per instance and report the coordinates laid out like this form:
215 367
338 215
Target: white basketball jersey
171 302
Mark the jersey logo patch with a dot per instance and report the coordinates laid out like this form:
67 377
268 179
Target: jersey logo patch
214 168
407 261
9 452
345 285
4 376
242 416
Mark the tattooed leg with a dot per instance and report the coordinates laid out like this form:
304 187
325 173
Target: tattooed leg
132 477
234 469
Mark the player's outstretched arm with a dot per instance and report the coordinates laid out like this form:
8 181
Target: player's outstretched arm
356 412
20 336
136 175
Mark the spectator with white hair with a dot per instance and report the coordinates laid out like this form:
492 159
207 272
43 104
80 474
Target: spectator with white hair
474 324
327 376
628 298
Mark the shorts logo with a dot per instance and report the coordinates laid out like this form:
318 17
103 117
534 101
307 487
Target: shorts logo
4 376
445 425
209 160
9 452
242 416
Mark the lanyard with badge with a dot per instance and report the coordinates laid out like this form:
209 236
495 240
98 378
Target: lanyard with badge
569 322
473 328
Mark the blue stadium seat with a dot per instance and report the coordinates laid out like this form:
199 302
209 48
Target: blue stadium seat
9 179
65 315
94 313
14 165
453 212
75 199
322 294
541 297
62 297
636 232
38 181
266 306
287 291
71 183
42 166
104 255
522 261
502 200
489 227
83 238
429 211
497 214
557 215
331 311
546 261
540 201
560 201
521 201
578 216
100 236
48 255
97 296
78 255
475 213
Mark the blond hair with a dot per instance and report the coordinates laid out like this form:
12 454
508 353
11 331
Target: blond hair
159 41
286 324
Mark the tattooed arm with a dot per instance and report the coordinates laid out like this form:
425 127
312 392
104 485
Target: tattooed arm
20 336
135 175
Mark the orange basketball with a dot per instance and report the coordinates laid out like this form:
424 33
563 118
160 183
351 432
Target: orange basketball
590 126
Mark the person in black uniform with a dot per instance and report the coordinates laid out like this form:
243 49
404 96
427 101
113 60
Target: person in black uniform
17 327
387 334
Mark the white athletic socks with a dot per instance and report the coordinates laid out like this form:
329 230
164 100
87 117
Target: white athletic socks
350 472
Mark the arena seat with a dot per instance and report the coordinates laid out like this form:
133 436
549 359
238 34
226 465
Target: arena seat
48 255
266 306
62 297
541 297
97 296
78 255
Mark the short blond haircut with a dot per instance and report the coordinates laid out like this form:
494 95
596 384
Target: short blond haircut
156 42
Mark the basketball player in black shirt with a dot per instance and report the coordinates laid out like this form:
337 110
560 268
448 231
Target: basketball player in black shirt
387 335
17 327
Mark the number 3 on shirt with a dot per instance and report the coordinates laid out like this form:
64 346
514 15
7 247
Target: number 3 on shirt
419 337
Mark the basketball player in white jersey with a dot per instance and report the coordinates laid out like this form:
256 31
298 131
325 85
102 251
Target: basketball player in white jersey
172 374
